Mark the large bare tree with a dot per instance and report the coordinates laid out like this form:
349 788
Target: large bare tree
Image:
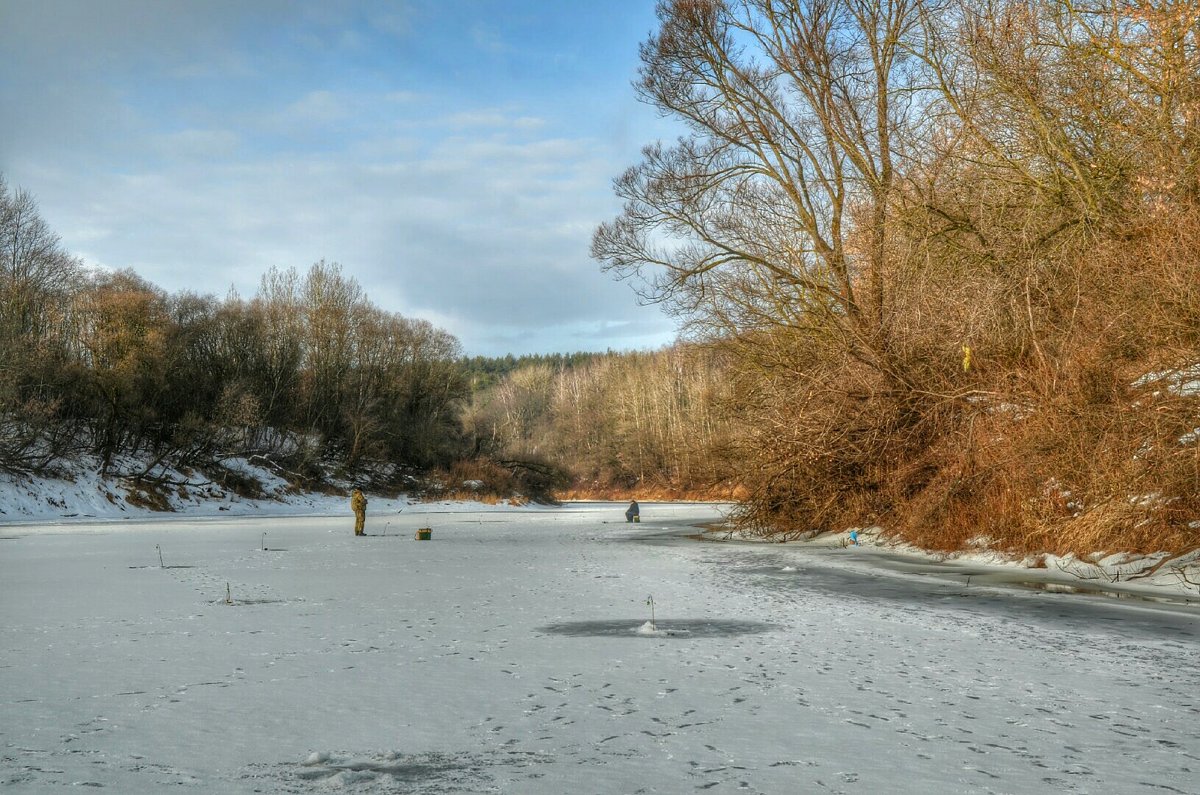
773 210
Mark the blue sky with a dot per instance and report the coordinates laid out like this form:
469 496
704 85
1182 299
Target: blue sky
453 156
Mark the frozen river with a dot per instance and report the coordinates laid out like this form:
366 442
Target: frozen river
511 654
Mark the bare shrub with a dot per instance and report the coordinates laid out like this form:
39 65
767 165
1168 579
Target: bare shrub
238 482
150 496
1090 443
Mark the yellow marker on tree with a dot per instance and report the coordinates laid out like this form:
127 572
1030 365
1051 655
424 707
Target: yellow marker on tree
966 357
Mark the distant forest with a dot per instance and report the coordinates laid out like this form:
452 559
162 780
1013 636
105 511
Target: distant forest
311 377
487 371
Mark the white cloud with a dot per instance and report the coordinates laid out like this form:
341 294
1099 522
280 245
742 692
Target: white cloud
199 160
499 118
193 144
529 123
394 19
403 97
486 238
315 107
477 118
489 40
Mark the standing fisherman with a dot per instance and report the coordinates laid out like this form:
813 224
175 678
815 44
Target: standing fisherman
358 503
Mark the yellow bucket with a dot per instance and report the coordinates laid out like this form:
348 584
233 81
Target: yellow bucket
424 533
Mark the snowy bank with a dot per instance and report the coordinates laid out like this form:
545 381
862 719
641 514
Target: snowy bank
1154 577
86 499
82 495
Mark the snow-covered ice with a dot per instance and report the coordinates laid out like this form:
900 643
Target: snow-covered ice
505 655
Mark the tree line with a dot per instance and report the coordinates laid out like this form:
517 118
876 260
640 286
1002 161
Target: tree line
616 424
948 251
311 378
487 371
306 372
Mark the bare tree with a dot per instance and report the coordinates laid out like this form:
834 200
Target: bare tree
123 330
797 116
36 273
37 280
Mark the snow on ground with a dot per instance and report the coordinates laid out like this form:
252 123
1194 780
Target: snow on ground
86 499
84 495
1156 577
511 653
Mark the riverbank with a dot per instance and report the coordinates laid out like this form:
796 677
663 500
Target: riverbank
86 497
1158 578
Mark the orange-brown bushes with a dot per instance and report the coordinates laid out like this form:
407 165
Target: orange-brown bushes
490 480
1088 441
819 436
1073 427
473 479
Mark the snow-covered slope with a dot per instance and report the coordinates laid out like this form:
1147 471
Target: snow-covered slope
83 496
